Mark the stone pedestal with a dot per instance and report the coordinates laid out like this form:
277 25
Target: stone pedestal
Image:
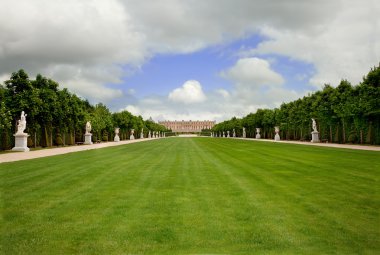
315 137
21 142
116 138
87 138
277 137
258 136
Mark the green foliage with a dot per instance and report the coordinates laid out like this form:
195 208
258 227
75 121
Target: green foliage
344 114
51 110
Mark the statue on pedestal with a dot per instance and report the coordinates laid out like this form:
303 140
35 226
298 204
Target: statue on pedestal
21 138
277 136
258 136
117 138
88 135
314 133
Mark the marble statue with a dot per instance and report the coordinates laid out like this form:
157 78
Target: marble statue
88 135
132 137
244 133
277 136
258 136
21 138
117 138
21 125
88 127
314 133
314 125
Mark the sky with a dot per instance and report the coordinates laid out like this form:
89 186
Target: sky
193 59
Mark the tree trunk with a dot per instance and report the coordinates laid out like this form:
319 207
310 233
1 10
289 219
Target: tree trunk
361 136
344 132
331 138
44 137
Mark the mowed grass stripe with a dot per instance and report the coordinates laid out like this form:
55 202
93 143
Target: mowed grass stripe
198 195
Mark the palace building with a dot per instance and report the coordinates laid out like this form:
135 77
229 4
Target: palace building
187 126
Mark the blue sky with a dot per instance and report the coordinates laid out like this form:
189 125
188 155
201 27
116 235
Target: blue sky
180 60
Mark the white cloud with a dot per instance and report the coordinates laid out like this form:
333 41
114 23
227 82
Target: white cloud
133 109
93 90
86 45
80 44
344 48
224 93
190 92
253 72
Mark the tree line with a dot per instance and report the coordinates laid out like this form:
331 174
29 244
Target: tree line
344 114
58 117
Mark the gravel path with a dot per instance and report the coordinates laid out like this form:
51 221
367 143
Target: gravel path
16 156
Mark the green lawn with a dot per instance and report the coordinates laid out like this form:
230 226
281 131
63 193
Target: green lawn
193 196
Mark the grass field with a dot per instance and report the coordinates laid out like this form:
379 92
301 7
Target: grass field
193 196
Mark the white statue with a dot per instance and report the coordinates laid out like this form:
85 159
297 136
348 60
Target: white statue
88 127
314 125
117 138
277 136
132 137
314 133
21 126
244 134
21 138
258 136
88 135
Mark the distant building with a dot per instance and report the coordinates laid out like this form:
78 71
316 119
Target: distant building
187 126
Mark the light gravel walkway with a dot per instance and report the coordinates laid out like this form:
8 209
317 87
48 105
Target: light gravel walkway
16 156
334 145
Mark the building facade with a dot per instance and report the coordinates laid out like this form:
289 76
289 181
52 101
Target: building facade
187 126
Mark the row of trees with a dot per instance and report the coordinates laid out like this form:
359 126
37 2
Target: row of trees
344 114
58 117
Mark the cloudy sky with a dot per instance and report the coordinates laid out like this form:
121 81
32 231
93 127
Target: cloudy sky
190 59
